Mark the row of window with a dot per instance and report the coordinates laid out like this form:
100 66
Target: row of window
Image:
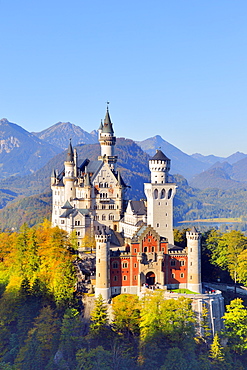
181 262
111 206
181 275
162 194
103 217
125 278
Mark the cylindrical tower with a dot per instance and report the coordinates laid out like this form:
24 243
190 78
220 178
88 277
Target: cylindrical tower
159 166
69 178
102 265
160 194
194 260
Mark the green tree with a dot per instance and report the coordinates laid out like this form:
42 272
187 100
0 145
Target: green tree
226 251
71 338
126 309
216 353
235 320
94 359
99 317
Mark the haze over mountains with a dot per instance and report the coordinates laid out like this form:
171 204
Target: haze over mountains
22 152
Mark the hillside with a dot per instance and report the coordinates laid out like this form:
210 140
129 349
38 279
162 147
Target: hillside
21 152
223 176
59 134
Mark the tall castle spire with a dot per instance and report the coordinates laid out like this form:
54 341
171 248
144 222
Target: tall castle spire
107 141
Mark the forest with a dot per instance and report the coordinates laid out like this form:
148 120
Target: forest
41 314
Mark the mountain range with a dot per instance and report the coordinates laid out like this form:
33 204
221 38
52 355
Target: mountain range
27 159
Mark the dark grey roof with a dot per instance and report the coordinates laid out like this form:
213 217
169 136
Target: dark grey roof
172 247
74 212
70 155
159 155
107 127
138 207
67 205
94 166
83 211
66 213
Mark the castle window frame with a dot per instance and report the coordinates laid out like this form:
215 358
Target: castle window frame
173 262
103 217
125 265
145 249
125 277
135 277
62 222
182 262
173 275
135 265
182 275
111 217
115 278
115 265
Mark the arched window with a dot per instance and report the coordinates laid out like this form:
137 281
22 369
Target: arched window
169 193
103 217
156 194
111 217
163 194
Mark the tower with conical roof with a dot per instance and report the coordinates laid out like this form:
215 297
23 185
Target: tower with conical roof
160 194
69 178
107 141
194 260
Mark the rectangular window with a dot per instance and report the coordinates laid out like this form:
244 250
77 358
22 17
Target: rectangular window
182 263
135 277
173 276
125 277
182 275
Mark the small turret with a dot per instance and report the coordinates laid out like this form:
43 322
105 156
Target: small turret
53 177
159 166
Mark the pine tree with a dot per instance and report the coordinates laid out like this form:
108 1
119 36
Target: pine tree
216 350
99 318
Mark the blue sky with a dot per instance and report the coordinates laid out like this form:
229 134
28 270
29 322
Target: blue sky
170 68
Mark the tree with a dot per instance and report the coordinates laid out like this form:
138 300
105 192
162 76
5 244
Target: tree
226 251
216 352
171 318
126 309
99 317
94 359
235 320
71 336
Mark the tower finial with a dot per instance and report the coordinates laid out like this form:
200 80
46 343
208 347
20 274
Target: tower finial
107 105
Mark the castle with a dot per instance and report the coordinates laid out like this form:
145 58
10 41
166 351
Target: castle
134 239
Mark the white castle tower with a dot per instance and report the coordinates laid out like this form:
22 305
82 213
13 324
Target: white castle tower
160 196
102 265
69 178
107 141
194 260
